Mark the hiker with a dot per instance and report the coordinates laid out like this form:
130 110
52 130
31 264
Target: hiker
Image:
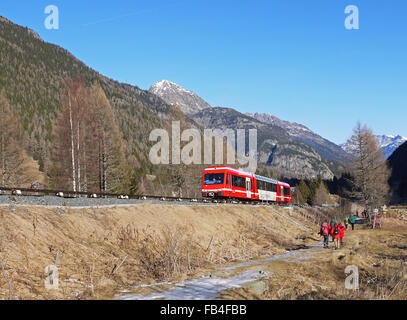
325 228
346 220
352 221
341 234
335 232
331 225
357 213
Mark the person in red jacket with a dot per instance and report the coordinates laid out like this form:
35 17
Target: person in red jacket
335 232
324 231
341 233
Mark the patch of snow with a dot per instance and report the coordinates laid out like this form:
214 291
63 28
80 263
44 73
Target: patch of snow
206 288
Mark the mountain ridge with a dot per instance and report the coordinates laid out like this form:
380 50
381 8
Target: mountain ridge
325 148
388 144
275 147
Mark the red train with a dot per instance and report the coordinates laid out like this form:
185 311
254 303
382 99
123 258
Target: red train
230 183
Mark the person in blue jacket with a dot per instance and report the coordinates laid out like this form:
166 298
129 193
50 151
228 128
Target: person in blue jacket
352 221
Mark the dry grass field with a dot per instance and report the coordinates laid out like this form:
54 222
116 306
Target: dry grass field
180 242
161 242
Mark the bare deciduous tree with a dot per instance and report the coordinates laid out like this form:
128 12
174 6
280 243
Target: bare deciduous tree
370 170
16 168
88 147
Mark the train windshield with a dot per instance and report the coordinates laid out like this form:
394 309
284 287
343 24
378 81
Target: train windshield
214 178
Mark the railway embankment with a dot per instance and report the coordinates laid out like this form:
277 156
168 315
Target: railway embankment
103 250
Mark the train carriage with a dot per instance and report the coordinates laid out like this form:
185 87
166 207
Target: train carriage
230 183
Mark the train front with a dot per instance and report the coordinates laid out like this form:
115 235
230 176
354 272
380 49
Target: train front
213 182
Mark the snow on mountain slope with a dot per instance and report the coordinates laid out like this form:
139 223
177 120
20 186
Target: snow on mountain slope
388 144
174 94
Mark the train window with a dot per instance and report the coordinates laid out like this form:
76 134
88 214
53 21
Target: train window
238 182
273 187
287 192
214 178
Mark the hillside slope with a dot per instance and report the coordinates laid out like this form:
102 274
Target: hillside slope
32 78
161 242
398 181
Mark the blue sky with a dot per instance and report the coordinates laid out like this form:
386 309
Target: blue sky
292 58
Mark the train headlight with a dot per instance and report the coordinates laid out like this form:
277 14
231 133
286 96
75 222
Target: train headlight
211 194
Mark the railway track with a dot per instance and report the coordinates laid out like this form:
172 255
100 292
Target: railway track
15 193
68 194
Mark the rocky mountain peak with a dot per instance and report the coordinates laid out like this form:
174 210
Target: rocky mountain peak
174 94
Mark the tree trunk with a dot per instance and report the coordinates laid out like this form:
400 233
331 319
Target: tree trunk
79 157
72 146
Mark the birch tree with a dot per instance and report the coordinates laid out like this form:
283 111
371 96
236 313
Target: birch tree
69 138
88 149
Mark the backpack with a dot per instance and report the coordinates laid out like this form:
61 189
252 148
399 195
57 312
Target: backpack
336 230
325 229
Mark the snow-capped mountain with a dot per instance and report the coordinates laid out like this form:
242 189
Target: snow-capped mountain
174 94
388 144
288 146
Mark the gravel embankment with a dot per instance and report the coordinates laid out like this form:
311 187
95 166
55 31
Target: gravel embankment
81 201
